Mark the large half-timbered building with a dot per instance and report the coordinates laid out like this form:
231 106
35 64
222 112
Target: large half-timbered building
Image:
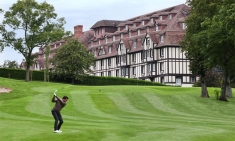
144 47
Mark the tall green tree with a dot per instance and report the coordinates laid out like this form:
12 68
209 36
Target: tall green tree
72 60
194 40
10 64
221 41
46 71
28 25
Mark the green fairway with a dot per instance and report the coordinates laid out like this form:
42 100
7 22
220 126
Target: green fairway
114 113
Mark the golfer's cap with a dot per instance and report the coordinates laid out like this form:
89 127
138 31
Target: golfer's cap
65 97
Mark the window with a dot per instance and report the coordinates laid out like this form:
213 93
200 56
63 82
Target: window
134 44
160 18
127 71
134 70
151 20
126 27
142 69
134 24
162 38
102 30
148 53
129 33
147 41
178 81
153 67
101 52
162 52
109 73
123 71
109 62
192 79
157 28
102 73
102 64
138 32
117 73
110 49
161 66
149 68
118 28
142 22
170 16
184 26
99 42
121 35
151 53
54 45
143 54
134 57
106 40
118 59
113 38
124 58
162 80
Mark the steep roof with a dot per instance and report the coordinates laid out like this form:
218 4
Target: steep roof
109 23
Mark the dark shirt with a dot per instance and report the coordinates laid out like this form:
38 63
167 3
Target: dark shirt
59 103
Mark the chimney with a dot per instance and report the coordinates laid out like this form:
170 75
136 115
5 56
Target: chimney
78 31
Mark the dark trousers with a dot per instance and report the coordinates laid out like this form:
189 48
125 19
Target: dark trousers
57 116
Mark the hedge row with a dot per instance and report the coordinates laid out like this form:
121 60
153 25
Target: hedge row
90 80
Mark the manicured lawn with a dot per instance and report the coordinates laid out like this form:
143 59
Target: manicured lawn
114 113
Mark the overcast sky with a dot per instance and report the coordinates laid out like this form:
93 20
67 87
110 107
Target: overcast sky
88 12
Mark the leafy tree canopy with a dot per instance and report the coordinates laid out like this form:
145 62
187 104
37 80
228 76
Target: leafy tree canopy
10 64
72 60
28 25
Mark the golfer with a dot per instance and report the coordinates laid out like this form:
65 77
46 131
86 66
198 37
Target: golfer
59 104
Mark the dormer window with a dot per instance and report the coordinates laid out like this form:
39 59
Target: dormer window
170 16
184 26
147 41
101 51
162 38
157 28
110 49
134 44
147 29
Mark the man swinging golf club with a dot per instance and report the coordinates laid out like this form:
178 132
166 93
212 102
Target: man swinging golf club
59 104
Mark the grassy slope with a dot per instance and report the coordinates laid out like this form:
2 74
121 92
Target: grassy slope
116 113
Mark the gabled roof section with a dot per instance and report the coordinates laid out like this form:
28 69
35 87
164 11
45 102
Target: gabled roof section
108 23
